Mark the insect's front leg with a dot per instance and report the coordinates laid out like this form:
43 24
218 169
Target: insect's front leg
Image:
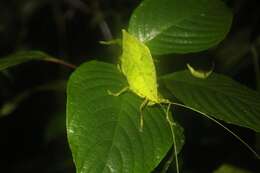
119 68
142 106
119 92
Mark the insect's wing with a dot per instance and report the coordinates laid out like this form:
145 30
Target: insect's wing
138 67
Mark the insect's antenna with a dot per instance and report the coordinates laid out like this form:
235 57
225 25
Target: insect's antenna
168 118
220 124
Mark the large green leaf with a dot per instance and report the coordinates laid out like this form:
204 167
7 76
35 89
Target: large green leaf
180 26
24 56
103 130
218 96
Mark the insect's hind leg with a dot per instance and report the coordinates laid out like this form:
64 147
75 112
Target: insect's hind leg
119 92
142 106
172 124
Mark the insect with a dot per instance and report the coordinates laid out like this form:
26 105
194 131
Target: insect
137 65
200 73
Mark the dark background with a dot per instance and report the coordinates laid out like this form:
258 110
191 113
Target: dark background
33 136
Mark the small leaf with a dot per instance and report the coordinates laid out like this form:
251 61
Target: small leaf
103 130
226 168
25 56
218 96
180 26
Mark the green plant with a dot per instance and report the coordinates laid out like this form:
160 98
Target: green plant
103 130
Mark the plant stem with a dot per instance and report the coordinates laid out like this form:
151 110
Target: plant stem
59 61
174 152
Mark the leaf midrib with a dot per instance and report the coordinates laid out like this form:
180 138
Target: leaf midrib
166 28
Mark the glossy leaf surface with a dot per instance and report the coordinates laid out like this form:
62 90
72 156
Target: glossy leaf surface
180 26
218 96
103 130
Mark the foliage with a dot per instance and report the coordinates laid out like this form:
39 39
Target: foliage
180 26
104 135
104 130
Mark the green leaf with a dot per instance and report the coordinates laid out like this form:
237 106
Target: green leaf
180 26
25 56
103 130
218 96
226 168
